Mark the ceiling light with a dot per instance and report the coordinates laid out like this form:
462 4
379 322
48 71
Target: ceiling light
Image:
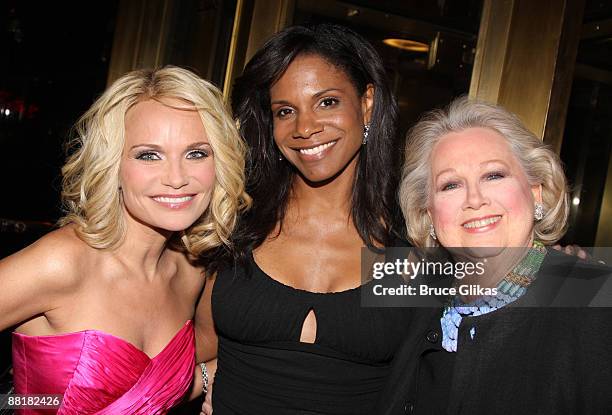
405 44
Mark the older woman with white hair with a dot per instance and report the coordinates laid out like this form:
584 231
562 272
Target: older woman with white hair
480 184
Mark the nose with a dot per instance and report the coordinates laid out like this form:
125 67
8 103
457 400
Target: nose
306 125
475 198
175 175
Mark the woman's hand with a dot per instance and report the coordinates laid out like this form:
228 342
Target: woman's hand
207 405
579 252
573 250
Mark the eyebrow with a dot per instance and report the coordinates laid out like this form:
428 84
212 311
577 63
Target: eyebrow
317 95
157 147
484 163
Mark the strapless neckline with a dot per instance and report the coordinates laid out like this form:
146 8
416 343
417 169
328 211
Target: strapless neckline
100 373
102 333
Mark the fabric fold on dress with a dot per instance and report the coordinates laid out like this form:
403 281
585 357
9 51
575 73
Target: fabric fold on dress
98 373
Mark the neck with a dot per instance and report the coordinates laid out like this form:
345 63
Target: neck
143 247
332 196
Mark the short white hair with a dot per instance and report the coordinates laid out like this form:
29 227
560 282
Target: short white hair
540 164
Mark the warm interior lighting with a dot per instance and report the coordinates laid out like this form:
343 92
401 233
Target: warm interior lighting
411 45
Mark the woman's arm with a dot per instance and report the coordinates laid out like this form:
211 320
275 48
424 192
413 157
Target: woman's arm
34 280
206 344
206 336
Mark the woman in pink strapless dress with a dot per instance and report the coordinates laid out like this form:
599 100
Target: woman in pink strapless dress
103 306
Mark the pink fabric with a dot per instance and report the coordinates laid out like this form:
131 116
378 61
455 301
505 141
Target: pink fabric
98 373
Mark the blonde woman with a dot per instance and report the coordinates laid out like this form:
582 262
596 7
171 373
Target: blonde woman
103 305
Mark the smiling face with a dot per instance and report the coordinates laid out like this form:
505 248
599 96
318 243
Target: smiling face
480 195
318 117
167 170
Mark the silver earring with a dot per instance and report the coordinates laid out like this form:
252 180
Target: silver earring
538 212
280 157
366 132
432 232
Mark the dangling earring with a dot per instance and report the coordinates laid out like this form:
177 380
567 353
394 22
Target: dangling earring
432 232
538 212
280 157
366 132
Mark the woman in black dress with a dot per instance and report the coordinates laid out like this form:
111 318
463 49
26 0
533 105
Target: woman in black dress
319 118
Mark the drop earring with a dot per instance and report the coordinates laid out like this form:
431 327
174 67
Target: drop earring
432 232
366 132
538 212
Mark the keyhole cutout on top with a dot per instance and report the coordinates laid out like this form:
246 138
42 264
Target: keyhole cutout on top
309 328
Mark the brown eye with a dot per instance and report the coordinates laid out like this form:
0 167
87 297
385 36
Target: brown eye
283 112
328 102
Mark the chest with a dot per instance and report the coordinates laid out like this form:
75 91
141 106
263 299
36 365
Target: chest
311 260
146 314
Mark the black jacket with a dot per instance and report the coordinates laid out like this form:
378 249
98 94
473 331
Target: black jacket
547 353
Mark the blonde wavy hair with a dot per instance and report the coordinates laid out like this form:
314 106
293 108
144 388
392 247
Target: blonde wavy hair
91 174
541 165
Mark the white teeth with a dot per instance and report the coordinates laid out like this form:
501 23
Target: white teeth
317 149
481 223
173 199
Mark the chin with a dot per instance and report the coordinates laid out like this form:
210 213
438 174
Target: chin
321 175
484 251
176 226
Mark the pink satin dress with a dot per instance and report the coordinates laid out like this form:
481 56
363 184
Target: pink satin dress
98 373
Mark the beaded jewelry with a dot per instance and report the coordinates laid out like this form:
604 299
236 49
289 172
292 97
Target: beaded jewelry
366 133
513 286
204 378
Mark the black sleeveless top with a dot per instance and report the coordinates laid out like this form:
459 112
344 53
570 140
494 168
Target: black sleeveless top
263 368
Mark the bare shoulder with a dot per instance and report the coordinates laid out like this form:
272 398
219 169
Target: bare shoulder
56 256
41 277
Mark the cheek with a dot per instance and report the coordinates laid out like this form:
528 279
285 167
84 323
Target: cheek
350 124
517 200
131 177
281 128
444 210
206 176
